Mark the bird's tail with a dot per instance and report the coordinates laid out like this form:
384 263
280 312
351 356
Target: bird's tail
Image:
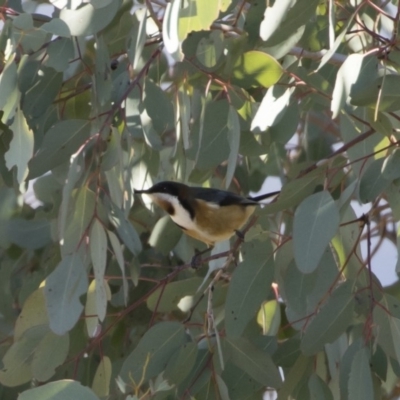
264 196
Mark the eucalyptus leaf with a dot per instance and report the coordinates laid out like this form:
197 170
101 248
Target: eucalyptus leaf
155 349
8 81
331 321
256 68
81 213
316 221
60 53
60 142
391 166
29 234
57 27
283 18
59 390
360 379
88 20
245 293
213 137
21 146
253 361
373 182
42 93
102 377
125 230
98 253
167 299
63 289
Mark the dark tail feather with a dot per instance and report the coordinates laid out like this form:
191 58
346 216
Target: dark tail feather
264 196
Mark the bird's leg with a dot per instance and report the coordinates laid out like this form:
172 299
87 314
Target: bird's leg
196 259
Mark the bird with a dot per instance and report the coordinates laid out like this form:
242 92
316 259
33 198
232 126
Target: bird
206 214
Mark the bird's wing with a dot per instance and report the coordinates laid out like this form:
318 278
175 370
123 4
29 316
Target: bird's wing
221 197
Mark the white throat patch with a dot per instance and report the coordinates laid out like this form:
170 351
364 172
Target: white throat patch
181 215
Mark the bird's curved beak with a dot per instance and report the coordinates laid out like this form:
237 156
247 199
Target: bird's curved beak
136 191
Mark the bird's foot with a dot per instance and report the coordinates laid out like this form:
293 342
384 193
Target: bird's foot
240 235
196 259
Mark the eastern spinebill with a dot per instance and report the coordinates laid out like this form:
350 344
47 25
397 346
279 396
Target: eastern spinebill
208 215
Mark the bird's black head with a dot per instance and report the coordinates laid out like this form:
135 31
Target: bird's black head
175 189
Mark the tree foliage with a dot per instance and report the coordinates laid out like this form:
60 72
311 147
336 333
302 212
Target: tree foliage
99 299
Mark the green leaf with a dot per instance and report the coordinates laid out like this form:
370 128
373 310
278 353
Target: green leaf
165 235
181 363
346 77
132 112
213 139
296 286
91 317
60 53
21 146
119 255
255 362
57 27
59 390
331 321
297 375
42 93
284 18
318 388
172 294
316 221
88 20
346 366
33 314
29 234
269 317
159 107
346 243
170 31
360 153
249 286
8 81
210 49
102 76
241 386
125 230
79 218
338 41
50 353
199 15
295 191
198 377
23 21
387 319
360 379
63 289
391 166
288 352
16 368
74 173
138 39
255 68
272 107
102 377
234 141
60 142
373 182
98 253
393 198
222 388
154 350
